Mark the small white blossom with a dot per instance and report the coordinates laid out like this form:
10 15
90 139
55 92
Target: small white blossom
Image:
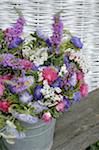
40 78
51 94
63 70
57 89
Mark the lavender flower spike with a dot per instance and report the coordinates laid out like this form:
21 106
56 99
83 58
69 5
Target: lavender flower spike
57 32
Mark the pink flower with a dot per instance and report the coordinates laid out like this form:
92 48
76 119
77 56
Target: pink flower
4 106
1 89
84 89
60 106
26 64
80 76
50 74
6 77
47 117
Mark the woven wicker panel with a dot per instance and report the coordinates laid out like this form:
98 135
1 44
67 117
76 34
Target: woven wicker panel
80 16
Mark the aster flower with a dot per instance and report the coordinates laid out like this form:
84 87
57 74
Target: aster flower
37 92
66 61
21 84
38 107
25 117
25 97
57 83
76 96
26 64
67 103
73 79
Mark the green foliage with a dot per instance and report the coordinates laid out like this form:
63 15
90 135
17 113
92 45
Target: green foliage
37 42
94 146
66 45
2 121
54 112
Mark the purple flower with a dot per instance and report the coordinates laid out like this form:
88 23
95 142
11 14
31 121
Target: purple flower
57 83
15 42
37 92
73 80
7 60
66 61
67 103
76 96
38 107
21 84
25 118
48 42
12 35
77 42
57 32
25 97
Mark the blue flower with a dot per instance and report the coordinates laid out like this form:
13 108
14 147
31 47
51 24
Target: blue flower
73 80
25 118
66 61
77 42
67 103
76 96
38 107
57 83
37 92
25 97
14 43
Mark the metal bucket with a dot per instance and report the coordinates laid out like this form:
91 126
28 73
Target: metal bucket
38 137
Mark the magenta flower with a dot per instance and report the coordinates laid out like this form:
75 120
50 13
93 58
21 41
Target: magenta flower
4 106
84 89
26 64
60 106
80 75
1 89
50 74
47 117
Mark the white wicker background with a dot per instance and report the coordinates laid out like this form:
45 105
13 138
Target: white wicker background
80 16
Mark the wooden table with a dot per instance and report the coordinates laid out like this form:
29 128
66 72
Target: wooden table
79 127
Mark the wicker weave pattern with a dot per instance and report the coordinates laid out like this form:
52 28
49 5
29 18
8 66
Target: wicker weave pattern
80 16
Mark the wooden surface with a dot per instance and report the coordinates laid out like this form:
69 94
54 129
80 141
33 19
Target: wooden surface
79 127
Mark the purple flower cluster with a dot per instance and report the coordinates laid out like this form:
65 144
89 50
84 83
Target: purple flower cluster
57 32
21 84
12 35
9 60
38 107
25 117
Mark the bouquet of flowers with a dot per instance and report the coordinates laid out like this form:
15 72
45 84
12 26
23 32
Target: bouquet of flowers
41 76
